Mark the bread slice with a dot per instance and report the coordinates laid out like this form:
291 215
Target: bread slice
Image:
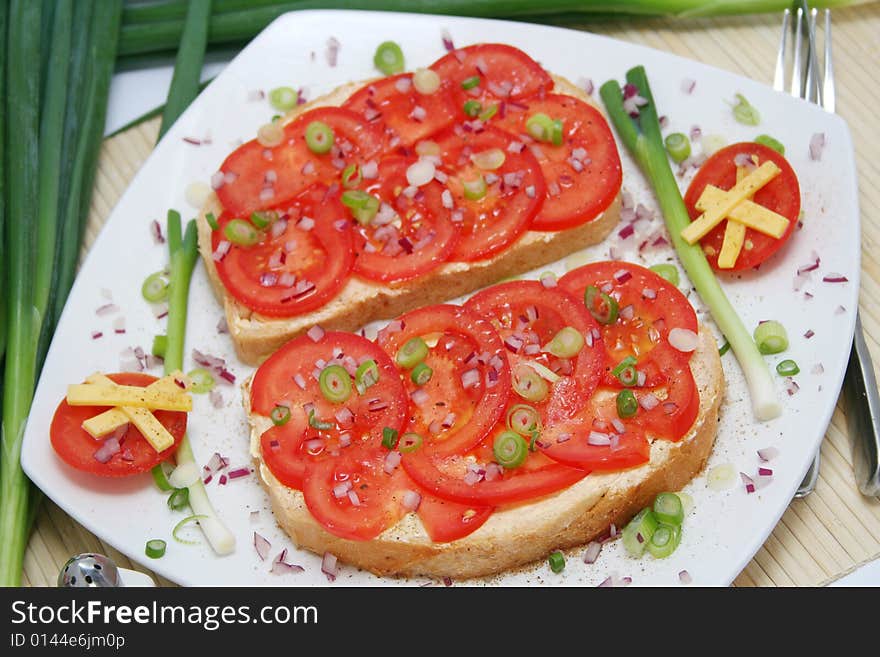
362 301
527 532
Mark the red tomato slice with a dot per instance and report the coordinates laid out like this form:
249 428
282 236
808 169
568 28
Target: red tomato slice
423 240
673 416
77 448
446 521
259 177
406 114
375 504
648 308
527 316
506 73
469 388
781 195
294 270
583 175
513 197
357 423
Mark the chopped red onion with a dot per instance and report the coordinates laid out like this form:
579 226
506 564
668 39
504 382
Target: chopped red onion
818 368
96 335
685 577
106 309
598 439
622 275
109 448
768 453
687 85
627 312
262 546
592 552
316 333
809 334
817 145
695 133
835 278
223 247
281 567
392 460
411 500
447 40
332 52
470 378
748 481
420 396
791 386
803 269
239 472
329 566
765 472
839 310
683 340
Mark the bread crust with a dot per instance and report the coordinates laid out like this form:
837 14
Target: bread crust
362 301
515 535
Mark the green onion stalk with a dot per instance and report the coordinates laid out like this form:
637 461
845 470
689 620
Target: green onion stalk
188 67
152 27
183 254
642 137
22 42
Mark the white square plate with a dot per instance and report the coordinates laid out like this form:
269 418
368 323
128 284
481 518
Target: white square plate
725 528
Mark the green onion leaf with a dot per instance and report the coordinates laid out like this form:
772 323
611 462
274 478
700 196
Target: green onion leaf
770 142
202 380
366 375
744 112
175 533
178 499
669 272
510 449
241 232
389 437
317 423
472 108
212 221
471 82
638 532
627 405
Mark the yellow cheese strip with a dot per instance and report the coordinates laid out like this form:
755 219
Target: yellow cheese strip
734 234
109 421
151 429
740 191
90 394
751 214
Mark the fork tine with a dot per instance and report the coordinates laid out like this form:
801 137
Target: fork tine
779 75
813 88
797 77
828 94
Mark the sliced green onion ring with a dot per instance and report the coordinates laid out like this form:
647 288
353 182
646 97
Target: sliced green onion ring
524 420
476 189
263 218
678 146
178 499
540 126
155 548
389 58
283 98
421 374
160 476
182 524
530 385
317 423
241 232
567 343
724 348
489 160
413 352
556 133
770 142
409 442
279 415
335 383
629 361
510 449
156 288
627 404
363 206
602 307
638 532
472 108
664 540
669 272
771 337
787 367
744 112
202 380
351 176
389 438
669 509
319 137
366 375
212 221
489 112
556 561
471 82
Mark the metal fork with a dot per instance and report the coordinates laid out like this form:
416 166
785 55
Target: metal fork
816 85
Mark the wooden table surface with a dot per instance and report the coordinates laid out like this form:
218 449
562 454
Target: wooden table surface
819 538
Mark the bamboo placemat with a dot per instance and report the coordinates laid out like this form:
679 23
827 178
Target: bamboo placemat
821 537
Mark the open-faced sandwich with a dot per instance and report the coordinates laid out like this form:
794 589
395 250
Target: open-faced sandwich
466 440
403 191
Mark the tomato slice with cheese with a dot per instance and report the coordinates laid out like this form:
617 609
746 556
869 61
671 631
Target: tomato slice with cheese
470 380
503 73
514 191
647 308
583 175
318 428
98 456
411 234
404 114
781 195
257 176
301 261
